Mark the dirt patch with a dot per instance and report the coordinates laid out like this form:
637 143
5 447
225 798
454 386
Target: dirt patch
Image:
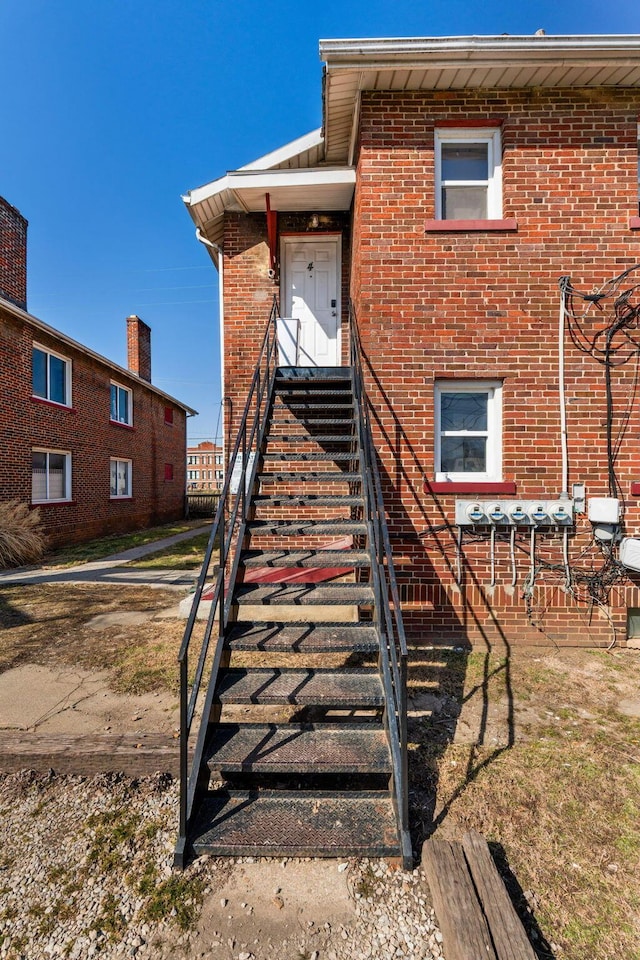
93 627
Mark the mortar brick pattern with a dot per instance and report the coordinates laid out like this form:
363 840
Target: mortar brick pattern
479 305
86 431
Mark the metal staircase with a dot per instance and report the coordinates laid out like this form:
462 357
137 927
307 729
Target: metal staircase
300 736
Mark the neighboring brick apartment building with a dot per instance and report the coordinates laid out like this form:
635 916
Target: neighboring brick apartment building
96 447
453 183
205 468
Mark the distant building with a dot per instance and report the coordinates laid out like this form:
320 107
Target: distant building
95 446
205 469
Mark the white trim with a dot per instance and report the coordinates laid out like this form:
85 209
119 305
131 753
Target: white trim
128 494
67 374
266 180
287 152
490 136
120 386
316 238
67 475
493 433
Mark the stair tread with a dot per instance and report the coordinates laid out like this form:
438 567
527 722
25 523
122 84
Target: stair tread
338 455
316 421
308 499
312 438
298 747
307 528
255 823
305 558
352 687
324 476
303 593
326 637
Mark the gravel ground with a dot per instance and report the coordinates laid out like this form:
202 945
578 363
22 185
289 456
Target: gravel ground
85 871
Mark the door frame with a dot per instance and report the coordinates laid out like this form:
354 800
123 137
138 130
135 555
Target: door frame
317 237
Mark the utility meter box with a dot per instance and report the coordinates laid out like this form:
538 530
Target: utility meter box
604 510
630 553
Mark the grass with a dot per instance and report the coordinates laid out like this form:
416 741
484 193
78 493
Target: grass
559 795
48 625
117 543
187 555
21 537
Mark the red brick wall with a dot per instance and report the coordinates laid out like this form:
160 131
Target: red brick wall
13 255
86 431
485 305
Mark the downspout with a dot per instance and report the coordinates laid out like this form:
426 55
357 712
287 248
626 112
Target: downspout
564 492
218 249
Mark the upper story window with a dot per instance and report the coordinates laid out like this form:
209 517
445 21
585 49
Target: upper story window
168 414
468 174
50 475
121 404
468 430
51 376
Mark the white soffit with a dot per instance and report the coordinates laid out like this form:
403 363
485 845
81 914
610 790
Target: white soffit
304 190
455 63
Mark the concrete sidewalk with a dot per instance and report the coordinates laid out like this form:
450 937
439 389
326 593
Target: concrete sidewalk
112 570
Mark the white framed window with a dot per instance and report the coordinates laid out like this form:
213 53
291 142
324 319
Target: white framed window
51 375
50 476
121 408
120 478
468 430
468 173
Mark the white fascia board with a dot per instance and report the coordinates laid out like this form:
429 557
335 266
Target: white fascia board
269 179
281 155
380 52
287 152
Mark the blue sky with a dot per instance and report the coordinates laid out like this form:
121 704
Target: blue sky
111 109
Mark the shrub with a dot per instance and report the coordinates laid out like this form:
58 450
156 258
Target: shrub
21 536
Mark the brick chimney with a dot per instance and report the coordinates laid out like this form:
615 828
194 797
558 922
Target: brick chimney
139 347
13 255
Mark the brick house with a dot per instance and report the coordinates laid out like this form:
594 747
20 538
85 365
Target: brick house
205 469
452 185
97 448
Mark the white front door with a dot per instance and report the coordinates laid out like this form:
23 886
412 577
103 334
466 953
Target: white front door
311 297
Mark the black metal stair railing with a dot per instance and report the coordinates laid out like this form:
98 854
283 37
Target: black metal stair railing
388 615
228 532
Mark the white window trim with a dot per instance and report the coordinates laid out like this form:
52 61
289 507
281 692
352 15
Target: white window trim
67 475
493 388
489 135
120 386
128 494
67 376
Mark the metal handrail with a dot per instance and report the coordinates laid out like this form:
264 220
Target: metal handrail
393 644
228 531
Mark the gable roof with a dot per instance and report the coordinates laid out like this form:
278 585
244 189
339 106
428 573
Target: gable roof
120 372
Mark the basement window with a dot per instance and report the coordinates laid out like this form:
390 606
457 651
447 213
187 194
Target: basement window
468 430
468 174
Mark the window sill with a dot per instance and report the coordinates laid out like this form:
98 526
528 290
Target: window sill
498 488
118 423
128 497
52 503
634 223
469 226
53 403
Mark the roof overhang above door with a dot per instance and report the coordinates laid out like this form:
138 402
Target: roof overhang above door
319 189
